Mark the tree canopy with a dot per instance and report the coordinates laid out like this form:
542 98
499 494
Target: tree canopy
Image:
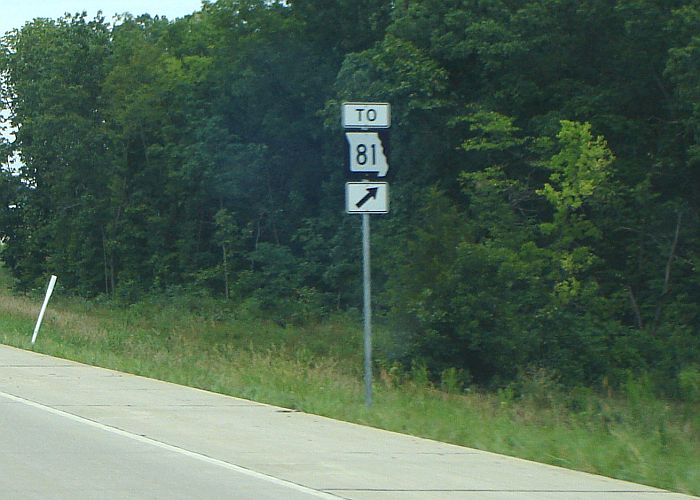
545 159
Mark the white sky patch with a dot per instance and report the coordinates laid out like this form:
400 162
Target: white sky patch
15 14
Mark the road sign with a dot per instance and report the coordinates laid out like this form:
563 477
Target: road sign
366 115
367 156
367 153
367 197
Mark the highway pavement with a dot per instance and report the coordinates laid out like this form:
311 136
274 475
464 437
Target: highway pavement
72 431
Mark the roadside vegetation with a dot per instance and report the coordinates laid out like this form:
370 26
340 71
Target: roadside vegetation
535 283
544 172
628 433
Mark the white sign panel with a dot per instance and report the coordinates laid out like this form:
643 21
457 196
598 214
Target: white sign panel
365 115
366 153
367 197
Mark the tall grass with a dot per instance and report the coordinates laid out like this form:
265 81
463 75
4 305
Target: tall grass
316 368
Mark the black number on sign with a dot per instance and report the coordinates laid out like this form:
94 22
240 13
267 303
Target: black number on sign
361 157
361 154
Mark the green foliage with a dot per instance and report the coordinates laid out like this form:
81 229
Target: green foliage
579 171
493 132
689 382
544 157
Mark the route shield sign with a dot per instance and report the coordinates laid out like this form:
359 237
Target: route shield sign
367 197
367 154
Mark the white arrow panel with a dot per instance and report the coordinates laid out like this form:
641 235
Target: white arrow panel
367 197
367 153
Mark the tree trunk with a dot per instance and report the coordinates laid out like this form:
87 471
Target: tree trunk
667 274
225 256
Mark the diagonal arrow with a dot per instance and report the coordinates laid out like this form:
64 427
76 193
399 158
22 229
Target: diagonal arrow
371 194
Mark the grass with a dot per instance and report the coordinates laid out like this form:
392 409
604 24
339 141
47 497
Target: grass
317 368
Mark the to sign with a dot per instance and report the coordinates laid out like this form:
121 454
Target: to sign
367 197
367 153
366 115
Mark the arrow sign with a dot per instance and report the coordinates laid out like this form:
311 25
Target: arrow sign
367 197
371 195
367 153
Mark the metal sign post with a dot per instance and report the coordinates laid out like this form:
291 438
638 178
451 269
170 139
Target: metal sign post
366 158
367 309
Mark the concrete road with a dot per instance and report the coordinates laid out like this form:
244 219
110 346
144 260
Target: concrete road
69 430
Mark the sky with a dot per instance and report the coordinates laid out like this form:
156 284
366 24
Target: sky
15 13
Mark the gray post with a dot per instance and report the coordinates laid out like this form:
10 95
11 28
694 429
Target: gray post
367 309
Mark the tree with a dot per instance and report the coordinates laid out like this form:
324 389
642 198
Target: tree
53 76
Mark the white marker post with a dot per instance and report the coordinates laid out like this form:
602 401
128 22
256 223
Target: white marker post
49 291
